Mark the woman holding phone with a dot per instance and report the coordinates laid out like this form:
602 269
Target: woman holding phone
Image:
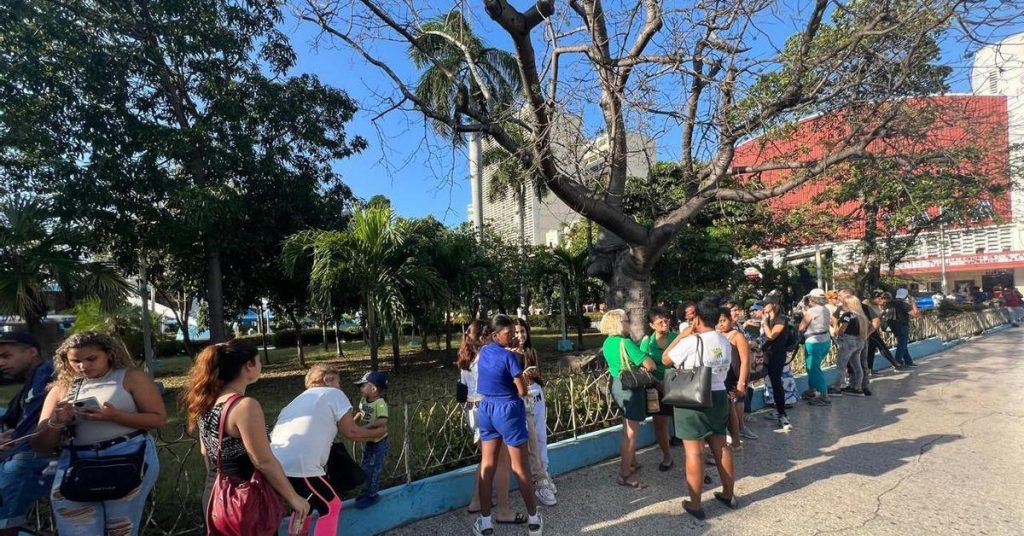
106 407
536 415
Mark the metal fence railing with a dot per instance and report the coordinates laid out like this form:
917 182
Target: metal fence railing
428 434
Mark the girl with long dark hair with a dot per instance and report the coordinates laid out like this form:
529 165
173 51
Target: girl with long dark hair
536 415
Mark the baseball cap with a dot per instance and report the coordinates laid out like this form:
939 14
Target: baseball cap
757 306
902 294
378 379
20 337
816 293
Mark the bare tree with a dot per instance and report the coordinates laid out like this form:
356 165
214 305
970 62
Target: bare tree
703 72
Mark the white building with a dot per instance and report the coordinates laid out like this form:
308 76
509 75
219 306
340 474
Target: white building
548 218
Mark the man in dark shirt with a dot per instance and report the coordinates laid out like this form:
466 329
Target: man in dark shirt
22 478
902 309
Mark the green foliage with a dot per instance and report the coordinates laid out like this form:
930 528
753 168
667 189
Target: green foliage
167 128
37 252
124 321
441 46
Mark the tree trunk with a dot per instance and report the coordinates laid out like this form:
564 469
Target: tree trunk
298 338
522 248
579 317
447 339
629 288
337 339
215 293
396 339
424 346
147 326
323 330
181 318
371 337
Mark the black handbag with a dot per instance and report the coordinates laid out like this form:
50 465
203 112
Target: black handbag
461 392
633 377
105 478
343 472
689 388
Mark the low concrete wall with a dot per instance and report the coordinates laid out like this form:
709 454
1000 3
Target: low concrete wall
442 493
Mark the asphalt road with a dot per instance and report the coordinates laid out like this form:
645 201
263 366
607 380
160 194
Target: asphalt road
936 451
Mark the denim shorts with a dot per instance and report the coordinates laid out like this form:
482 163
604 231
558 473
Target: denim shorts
22 483
503 418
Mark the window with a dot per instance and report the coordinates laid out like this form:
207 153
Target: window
934 286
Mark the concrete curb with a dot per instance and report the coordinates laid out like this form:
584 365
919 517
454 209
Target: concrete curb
449 491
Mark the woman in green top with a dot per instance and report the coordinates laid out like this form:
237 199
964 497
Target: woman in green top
633 402
652 346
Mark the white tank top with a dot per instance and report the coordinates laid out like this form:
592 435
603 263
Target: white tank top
107 388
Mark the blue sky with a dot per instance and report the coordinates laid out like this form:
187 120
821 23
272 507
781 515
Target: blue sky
422 174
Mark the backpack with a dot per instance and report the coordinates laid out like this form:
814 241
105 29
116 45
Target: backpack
792 337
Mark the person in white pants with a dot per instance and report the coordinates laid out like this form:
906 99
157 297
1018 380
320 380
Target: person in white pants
536 416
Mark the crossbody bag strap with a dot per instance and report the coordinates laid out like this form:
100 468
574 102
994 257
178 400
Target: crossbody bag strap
220 427
700 350
69 430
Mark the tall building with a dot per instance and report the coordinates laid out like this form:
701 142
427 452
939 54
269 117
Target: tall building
984 254
547 218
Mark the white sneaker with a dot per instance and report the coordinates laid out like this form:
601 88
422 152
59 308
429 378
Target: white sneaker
479 530
546 496
784 424
538 529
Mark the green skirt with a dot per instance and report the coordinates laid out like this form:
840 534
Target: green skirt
632 402
699 423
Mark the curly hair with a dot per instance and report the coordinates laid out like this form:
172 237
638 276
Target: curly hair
110 344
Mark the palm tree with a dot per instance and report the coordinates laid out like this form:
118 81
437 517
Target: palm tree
459 72
368 256
40 256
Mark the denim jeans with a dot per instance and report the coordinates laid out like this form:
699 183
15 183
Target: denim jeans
902 332
849 354
23 481
119 516
373 465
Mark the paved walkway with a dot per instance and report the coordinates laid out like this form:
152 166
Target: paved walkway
936 451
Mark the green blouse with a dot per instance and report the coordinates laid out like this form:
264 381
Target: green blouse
649 346
611 353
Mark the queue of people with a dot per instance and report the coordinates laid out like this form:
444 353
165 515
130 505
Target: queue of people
89 408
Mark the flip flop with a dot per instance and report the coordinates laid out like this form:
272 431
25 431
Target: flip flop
697 514
665 468
519 519
731 502
636 484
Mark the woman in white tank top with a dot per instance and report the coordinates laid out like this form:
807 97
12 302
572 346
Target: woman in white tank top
107 406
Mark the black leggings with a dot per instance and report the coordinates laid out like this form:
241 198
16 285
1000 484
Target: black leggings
774 362
323 489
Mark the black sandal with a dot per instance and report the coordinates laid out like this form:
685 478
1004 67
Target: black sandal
731 502
665 468
519 519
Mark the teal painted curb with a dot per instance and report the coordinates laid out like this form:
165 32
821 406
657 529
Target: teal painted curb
449 491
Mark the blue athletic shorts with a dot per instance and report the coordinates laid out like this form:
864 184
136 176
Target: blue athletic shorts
503 418
22 483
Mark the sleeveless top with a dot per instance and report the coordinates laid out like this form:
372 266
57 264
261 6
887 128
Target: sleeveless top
234 460
107 388
817 329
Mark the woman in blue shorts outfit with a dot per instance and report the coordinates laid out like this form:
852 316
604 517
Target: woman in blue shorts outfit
502 421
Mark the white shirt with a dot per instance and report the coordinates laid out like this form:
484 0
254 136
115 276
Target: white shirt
468 378
305 429
716 353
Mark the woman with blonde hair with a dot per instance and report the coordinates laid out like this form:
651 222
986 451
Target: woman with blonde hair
107 406
216 390
851 332
619 351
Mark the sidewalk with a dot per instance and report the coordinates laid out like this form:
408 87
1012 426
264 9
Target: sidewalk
934 451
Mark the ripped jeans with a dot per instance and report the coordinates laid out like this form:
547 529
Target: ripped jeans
120 517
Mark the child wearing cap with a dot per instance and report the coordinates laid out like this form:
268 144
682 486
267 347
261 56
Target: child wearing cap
373 414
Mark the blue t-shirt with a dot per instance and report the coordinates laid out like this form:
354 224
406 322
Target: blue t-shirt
32 397
496 370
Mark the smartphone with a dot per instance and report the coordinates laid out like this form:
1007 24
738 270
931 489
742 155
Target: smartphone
87 403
